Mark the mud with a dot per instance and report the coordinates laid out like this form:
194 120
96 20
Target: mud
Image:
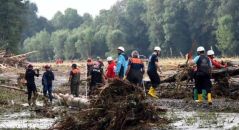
25 120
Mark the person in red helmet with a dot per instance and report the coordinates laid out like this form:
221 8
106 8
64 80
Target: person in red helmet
31 86
47 79
110 72
89 66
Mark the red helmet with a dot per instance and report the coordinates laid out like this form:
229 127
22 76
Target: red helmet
89 60
29 66
47 66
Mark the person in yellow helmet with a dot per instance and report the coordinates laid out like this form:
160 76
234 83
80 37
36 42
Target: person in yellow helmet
153 69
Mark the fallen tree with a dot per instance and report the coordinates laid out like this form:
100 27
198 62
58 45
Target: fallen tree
14 60
185 74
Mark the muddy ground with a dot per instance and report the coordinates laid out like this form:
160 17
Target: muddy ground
183 112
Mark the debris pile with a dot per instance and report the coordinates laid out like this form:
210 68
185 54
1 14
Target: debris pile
118 105
225 80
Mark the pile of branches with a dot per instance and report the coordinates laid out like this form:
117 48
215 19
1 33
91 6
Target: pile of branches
225 83
119 105
12 60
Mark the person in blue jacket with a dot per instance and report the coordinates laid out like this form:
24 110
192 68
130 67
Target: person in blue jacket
122 63
47 79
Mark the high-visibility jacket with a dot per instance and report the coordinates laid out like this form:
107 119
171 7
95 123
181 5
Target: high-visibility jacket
111 70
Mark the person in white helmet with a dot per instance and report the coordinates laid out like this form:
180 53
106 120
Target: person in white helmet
122 63
153 68
110 72
215 63
202 76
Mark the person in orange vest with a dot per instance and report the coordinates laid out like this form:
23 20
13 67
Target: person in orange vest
110 72
74 80
135 70
215 63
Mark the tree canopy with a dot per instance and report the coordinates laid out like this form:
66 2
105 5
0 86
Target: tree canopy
135 24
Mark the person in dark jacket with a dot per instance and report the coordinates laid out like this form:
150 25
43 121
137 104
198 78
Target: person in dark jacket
47 79
31 86
74 80
135 69
96 77
202 76
153 68
89 66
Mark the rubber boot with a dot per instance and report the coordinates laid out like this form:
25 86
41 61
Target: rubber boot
199 98
209 98
152 92
195 94
204 95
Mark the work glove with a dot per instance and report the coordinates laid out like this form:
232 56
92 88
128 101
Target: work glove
124 78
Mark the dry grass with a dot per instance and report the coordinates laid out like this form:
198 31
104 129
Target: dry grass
166 63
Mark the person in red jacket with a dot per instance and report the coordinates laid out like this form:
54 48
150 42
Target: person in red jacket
110 72
216 64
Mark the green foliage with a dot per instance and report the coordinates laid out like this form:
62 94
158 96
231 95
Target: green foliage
135 24
69 20
40 42
11 23
225 35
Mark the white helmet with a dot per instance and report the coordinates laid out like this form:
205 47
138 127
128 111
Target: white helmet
121 48
109 58
157 48
201 48
210 52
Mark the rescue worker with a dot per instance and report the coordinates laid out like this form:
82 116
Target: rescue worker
110 72
153 68
202 76
47 79
122 63
101 64
135 69
96 77
74 80
89 66
215 63
31 86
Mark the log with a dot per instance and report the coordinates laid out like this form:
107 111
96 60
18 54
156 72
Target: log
217 73
23 55
13 88
63 99
232 63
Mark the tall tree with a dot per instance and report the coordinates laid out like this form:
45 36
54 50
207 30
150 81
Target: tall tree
11 23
